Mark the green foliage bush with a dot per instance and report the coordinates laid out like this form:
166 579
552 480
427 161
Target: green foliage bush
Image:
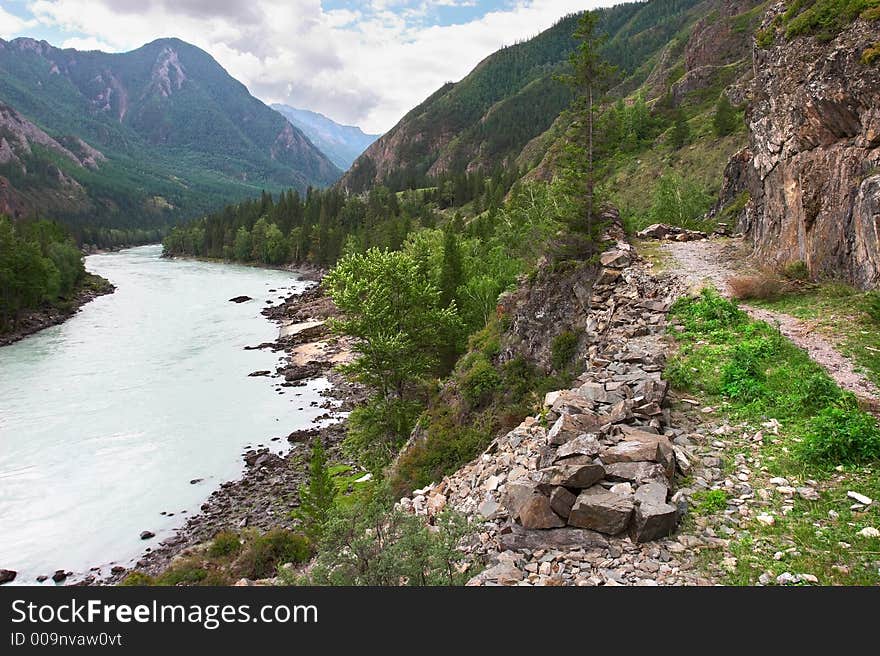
744 372
317 498
826 18
479 381
709 502
373 544
708 312
679 202
138 579
224 544
796 271
841 433
872 306
377 430
264 553
563 348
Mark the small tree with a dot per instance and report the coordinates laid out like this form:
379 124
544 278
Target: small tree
725 117
395 315
590 77
681 131
317 499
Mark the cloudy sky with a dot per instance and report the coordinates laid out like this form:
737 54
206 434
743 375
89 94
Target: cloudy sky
360 62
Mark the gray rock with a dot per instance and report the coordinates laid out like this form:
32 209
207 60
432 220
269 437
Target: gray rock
503 573
556 538
561 501
594 392
488 508
146 535
615 259
576 476
601 510
653 517
583 445
7 575
569 426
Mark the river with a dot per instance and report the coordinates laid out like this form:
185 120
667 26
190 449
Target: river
107 418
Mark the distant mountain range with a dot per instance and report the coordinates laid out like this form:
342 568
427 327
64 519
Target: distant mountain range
343 144
138 138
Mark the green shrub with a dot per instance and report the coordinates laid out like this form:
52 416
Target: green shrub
744 373
184 574
138 579
405 552
841 434
871 54
707 312
563 349
765 38
264 553
377 430
678 374
796 271
480 381
225 543
826 18
872 306
709 502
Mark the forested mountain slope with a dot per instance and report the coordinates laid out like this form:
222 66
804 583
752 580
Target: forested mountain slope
511 98
179 134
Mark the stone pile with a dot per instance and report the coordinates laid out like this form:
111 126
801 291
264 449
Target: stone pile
675 233
589 480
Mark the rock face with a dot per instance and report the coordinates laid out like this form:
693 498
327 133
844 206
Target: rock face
811 168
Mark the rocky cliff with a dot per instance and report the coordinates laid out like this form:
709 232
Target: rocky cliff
812 167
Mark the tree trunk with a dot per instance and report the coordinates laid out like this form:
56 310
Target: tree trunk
590 165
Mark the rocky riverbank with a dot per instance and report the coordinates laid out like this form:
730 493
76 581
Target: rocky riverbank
267 491
33 321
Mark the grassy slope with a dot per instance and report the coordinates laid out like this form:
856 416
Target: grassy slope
817 537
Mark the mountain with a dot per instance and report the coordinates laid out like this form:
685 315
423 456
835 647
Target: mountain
511 98
343 144
177 133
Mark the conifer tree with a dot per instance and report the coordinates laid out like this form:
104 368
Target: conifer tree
318 497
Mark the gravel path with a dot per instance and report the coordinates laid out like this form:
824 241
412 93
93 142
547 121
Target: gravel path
715 261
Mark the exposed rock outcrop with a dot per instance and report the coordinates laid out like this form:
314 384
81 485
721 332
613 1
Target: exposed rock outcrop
812 168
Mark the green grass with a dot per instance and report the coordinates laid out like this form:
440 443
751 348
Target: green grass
824 441
843 315
826 18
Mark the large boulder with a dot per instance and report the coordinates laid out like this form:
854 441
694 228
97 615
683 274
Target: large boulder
556 538
601 510
635 472
583 445
569 426
653 517
537 513
561 501
575 476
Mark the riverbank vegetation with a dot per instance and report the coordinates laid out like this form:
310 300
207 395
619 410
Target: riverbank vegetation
39 266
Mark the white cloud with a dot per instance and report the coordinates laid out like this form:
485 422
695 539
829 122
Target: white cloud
367 67
11 25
